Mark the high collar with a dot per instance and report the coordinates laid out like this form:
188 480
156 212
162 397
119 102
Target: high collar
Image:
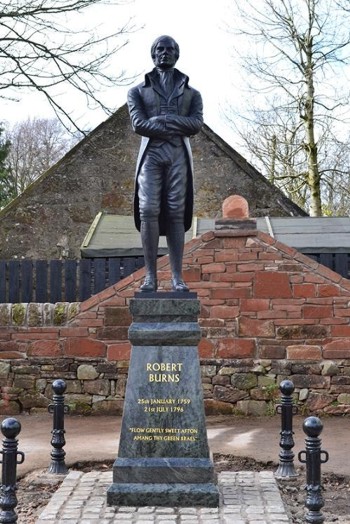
152 76
161 72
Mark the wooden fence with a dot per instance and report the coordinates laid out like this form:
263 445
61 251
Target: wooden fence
76 280
61 280
338 262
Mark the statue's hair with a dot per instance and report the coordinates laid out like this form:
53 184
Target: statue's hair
163 37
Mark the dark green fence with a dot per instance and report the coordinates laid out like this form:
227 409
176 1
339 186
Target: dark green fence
338 262
77 280
61 280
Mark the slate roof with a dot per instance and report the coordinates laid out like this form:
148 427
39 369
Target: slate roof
115 235
310 234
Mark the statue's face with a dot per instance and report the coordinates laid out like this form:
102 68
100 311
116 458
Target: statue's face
165 54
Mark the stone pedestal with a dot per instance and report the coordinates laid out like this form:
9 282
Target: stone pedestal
163 457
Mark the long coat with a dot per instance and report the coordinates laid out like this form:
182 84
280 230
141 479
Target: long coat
147 121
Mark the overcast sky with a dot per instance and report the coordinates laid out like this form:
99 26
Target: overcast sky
198 26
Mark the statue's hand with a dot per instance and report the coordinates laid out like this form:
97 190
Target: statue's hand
183 125
157 119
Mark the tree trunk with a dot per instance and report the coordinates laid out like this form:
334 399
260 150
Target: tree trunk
314 180
272 173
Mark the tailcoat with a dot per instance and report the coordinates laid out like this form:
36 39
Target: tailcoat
151 121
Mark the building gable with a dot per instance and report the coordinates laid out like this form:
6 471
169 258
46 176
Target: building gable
55 212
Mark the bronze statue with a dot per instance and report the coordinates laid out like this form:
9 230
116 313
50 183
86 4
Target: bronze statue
165 111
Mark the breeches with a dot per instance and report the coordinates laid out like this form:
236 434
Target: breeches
162 182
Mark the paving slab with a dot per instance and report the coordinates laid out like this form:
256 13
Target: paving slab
245 498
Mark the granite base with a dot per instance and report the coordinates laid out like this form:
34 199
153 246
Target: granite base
168 495
168 470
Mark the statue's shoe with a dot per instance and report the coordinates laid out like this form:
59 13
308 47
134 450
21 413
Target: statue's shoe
179 285
149 284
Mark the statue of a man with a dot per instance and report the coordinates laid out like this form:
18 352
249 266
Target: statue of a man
165 111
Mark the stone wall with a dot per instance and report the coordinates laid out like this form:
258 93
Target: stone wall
267 313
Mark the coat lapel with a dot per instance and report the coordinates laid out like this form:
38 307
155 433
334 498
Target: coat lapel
151 93
151 100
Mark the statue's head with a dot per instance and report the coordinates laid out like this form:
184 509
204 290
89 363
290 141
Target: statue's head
165 52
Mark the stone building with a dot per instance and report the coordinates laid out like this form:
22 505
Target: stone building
53 215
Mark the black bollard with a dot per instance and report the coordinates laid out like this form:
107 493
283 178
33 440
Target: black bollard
10 428
313 457
58 441
286 409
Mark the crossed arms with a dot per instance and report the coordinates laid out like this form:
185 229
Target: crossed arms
164 126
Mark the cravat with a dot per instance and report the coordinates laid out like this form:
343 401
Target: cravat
166 82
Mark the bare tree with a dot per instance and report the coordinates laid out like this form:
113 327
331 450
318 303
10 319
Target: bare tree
35 145
6 188
335 178
43 49
273 141
297 66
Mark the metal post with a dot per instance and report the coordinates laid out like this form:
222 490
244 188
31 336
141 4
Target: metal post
10 428
312 457
58 441
286 409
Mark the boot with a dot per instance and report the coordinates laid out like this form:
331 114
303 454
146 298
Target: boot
150 239
176 239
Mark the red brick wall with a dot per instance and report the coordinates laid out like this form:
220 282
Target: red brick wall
265 309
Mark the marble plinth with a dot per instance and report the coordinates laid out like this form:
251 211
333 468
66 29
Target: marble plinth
163 456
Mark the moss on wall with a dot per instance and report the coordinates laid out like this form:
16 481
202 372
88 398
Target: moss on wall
18 314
